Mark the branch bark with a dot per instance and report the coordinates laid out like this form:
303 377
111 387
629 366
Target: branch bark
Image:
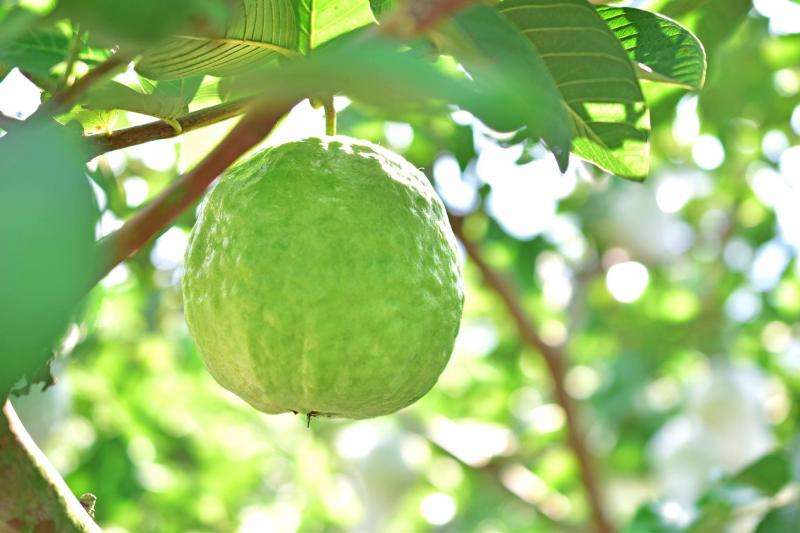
118 246
33 496
160 129
556 363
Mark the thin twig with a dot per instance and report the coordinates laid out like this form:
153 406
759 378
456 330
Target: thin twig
118 246
160 129
492 470
556 362
61 100
72 57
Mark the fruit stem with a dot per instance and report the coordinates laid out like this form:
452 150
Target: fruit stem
330 116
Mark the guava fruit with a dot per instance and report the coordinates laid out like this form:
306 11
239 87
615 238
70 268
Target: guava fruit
322 277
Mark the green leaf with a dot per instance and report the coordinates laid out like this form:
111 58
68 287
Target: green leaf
47 221
781 520
719 19
320 21
669 52
677 8
14 21
501 59
382 73
164 99
648 519
596 79
379 7
768 474
38 51
140 23
258 32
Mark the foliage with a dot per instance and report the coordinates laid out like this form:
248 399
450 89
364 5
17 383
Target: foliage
676 299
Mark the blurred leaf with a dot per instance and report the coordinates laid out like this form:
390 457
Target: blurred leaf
670 52
596 78
719 19
259 31
498 57
649 520
140 23
769 474
382 73
677 8
717 507
781 520
322 20
380 7
14 21
47 217
38 51
164 99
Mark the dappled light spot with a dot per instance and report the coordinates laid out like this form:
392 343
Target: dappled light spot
474 443
708 152
438 508
169 249
627 281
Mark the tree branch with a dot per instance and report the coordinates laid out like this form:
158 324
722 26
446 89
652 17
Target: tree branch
61 100
116 247
33 496
420 16
556 363
161 129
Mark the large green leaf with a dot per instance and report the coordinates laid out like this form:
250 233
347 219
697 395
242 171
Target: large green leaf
259 31
502 60
384 74
667 51
135 24
596 79
322 20
47 225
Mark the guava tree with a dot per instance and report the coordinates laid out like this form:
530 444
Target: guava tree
564 77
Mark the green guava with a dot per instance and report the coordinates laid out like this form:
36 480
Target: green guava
322 277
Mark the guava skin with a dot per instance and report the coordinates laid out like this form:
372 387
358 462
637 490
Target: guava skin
322 277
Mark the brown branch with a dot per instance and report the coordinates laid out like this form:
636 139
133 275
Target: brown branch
33 496
420 16
556 362
118 246
161 129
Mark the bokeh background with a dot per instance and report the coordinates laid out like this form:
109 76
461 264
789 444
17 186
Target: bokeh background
676 302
